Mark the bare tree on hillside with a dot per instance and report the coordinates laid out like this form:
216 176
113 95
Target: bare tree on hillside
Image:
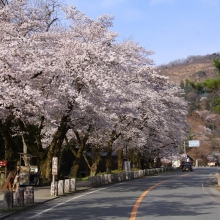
3 2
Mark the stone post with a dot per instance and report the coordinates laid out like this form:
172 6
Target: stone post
54 188
67 186
72 184
8 200
60 187
29 194
19 197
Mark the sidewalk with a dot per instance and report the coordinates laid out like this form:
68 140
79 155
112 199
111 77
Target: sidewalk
41 195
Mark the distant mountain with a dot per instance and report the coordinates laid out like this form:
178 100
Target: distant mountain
194 68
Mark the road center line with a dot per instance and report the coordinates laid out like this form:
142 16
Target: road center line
139 200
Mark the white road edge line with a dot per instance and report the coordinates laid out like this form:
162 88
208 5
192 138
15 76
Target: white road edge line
207 192
76 197
46 210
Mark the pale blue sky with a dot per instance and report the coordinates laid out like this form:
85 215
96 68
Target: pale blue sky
173 29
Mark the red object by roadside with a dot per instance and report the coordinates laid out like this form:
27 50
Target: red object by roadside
3 163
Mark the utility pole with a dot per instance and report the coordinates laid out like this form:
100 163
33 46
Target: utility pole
184 145
171 159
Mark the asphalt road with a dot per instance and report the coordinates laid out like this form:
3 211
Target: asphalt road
172 196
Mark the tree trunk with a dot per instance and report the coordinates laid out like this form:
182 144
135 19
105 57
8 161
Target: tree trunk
36 150
25 157
60 160
81 142
134 161
76 163
131 157
93 170
95 157
11 147
151 163
108 159
54 148
139 160
75 168
120 160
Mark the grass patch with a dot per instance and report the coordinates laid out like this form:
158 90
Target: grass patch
82 178
14 209
116 171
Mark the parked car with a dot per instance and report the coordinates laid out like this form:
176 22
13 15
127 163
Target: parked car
187 166
212 164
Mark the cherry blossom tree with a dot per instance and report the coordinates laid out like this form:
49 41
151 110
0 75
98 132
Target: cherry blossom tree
23 57
79 83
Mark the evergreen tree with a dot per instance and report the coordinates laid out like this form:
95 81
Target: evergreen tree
182 86
211 86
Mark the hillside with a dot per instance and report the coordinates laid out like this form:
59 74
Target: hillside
194 68
204 123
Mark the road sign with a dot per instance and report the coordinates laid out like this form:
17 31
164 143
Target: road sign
194 143
54 165
127 166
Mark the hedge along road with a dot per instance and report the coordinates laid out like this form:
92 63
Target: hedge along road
175 195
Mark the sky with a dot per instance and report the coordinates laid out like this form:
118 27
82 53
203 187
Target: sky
173 29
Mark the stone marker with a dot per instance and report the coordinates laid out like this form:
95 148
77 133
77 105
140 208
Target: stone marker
29 194
8 200
67 186
72 184
54 188
19 197
60 187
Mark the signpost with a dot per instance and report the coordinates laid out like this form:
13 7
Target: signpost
194 143
127 166
54 173
54 165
